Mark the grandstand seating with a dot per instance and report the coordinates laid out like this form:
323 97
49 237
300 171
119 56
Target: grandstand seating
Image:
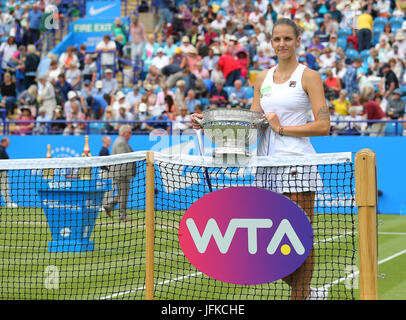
70 12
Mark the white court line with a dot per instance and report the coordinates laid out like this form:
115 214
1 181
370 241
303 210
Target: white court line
197 273
354 274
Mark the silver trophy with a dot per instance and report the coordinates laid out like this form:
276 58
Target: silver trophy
232 131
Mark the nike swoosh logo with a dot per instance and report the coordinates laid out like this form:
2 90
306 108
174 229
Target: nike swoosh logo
94 12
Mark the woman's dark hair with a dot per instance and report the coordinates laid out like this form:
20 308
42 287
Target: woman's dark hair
287 22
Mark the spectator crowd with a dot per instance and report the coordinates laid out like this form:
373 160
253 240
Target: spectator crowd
203 54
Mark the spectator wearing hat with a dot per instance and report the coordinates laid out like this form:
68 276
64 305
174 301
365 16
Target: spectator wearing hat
185 46
327 60
141 114
390 81
107 52
110 84
120 102
190 60
396 106
400 40
160 60
336 126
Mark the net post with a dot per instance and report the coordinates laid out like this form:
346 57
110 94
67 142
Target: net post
366 201
149 225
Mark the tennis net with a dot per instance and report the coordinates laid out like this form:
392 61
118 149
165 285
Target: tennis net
57 240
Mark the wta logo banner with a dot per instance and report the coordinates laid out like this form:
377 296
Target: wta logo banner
245 235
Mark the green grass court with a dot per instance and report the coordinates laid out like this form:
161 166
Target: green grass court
116 268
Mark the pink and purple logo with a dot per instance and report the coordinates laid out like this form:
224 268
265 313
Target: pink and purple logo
245 235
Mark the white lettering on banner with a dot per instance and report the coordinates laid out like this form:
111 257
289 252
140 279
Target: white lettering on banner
51 280
60 185
252 225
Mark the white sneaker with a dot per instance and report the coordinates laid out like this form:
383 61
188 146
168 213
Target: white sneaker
318 294
11 205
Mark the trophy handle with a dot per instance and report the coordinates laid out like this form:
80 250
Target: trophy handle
261 122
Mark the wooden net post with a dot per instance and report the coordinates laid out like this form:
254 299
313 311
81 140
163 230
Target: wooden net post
149 222
366 200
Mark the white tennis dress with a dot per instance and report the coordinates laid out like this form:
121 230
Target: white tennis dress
292 105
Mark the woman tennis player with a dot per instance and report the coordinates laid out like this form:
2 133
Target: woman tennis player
286 93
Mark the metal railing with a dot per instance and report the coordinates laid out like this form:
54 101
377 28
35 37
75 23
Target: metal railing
393 127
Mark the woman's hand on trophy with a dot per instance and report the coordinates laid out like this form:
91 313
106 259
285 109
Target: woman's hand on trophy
273 121
196 120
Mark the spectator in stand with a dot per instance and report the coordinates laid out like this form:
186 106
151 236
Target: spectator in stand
333 82
94 104
31 64
141 114
160 60
180 93
185 16
218 97
138 38
327 60
7 50
396 106
383 48
209 61
121 116
28 99
191 101
73 75
9 93
390 81
60 125
336 126
238 95
133 97
67 57
119 103
76 128
219 23
372 112
230 68
110 84
34 23
342 104
41 123
365 25
182 121
53 72
355 125
89 70
24 128
62 87
350 79
190 60
107 52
